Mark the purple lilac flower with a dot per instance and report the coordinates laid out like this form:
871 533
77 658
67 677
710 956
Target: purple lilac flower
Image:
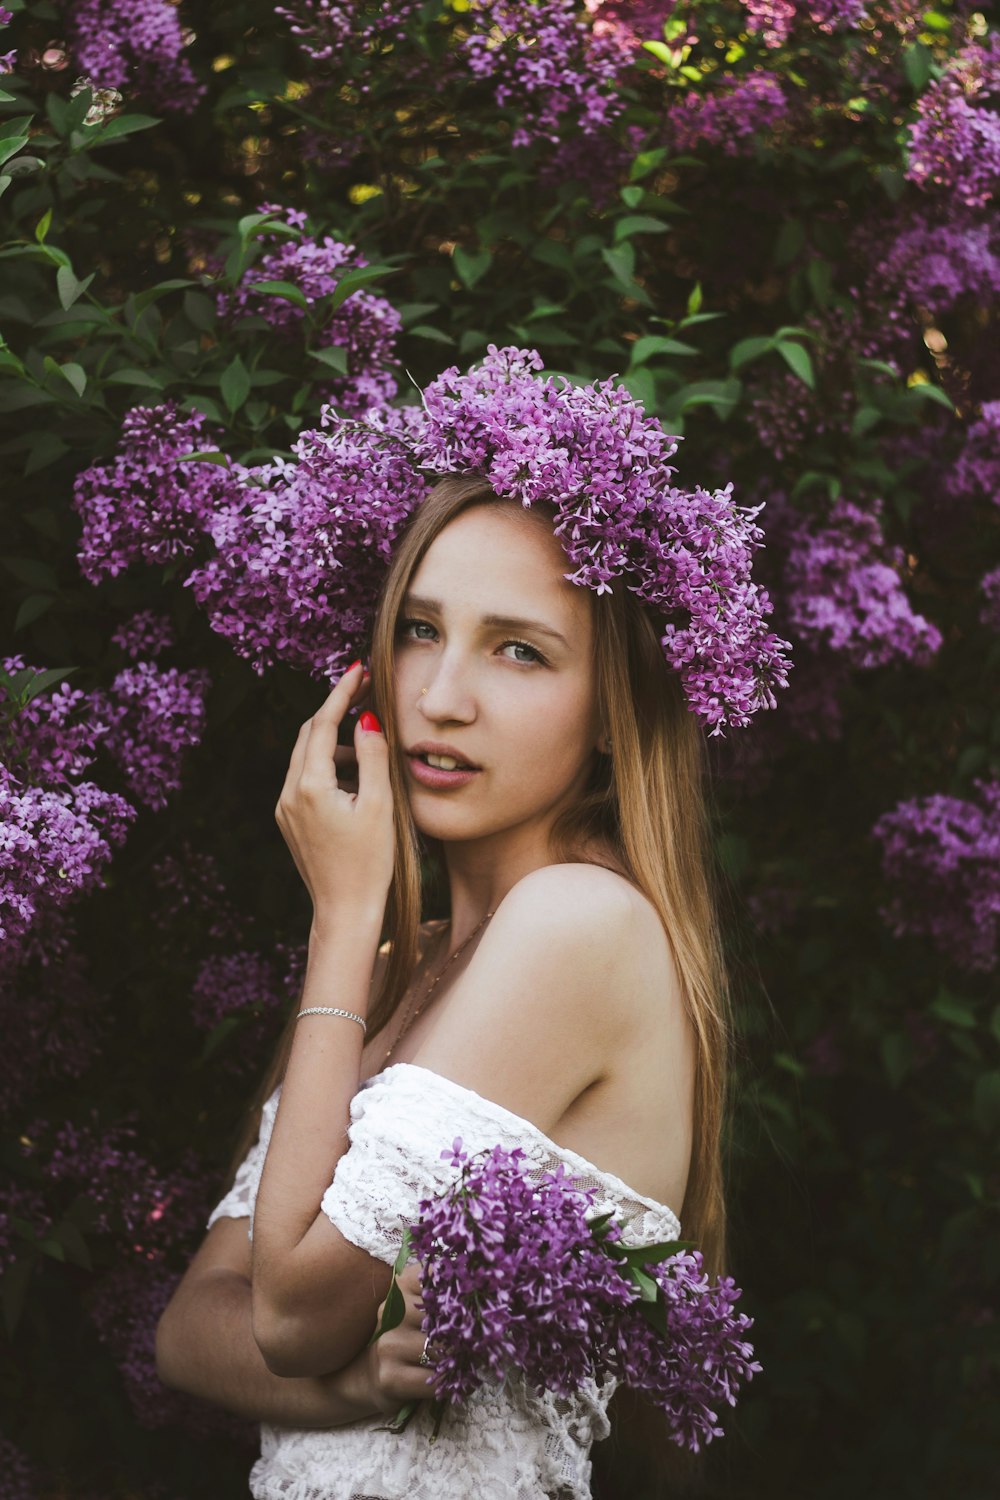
56 736
989 587
696 1359
546 63
252 986
154 714
147 504
326 28
955 141
539 57
941 860
773 20
843 590
365 325
147 634
136 46
8 60
514 1276
976 474
733 119
301 547
53 847
630 22
148 1209
908 261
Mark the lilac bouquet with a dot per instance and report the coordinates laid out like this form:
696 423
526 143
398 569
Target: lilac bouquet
519 1272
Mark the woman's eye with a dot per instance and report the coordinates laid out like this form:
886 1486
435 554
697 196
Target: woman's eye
523 646
404 626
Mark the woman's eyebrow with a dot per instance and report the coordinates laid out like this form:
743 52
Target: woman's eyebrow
504 622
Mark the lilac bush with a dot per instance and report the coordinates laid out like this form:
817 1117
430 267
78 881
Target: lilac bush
733 120
365 325
843 589
147 504
154 715
136 46
955 141
941 861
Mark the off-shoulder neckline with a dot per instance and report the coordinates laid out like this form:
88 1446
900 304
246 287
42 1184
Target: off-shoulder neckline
579 1163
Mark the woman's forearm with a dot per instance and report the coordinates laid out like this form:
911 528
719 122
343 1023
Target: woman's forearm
206 1347
314 1292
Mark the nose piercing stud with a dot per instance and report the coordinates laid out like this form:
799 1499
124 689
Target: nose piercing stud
422 692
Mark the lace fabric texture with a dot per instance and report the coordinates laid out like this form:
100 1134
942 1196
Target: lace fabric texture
510 1443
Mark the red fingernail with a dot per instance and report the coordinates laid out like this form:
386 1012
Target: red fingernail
353 665
370 723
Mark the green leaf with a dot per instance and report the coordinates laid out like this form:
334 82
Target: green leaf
393 1310
75 374
638 224
648 1288
952 1010
121 125
69 288
864 419
399 1264
334 356
926 390
653 343
799 361
917 65
646 162
284 289
130 376
360 276
235 384
471 267
154 293
42 680
31 609
748 349
199 311
425 331
33 572
206 456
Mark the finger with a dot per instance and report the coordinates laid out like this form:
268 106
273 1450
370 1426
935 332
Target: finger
297 759
373 759
318 763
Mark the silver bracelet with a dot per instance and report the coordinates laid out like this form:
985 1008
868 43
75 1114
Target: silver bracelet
333 1010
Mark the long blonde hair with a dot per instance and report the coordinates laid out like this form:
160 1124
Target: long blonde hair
649 803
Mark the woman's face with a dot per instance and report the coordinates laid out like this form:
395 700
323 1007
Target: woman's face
514 695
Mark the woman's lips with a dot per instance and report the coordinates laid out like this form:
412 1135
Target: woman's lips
435 777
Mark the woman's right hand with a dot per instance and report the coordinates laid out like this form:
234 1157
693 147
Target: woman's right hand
342 841
395 1375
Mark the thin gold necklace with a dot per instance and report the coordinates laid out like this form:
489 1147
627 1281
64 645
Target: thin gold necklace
411 1014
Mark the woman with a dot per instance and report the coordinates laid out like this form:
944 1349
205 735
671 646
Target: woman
573 1003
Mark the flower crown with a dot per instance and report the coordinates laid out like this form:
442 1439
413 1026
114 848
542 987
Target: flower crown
589 450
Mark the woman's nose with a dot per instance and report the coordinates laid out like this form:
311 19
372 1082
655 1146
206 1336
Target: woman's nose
447 693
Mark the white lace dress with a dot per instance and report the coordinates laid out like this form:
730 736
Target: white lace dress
509 1443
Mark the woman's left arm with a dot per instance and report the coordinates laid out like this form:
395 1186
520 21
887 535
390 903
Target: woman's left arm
315 1295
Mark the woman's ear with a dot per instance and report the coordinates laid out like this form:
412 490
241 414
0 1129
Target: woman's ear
604 743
